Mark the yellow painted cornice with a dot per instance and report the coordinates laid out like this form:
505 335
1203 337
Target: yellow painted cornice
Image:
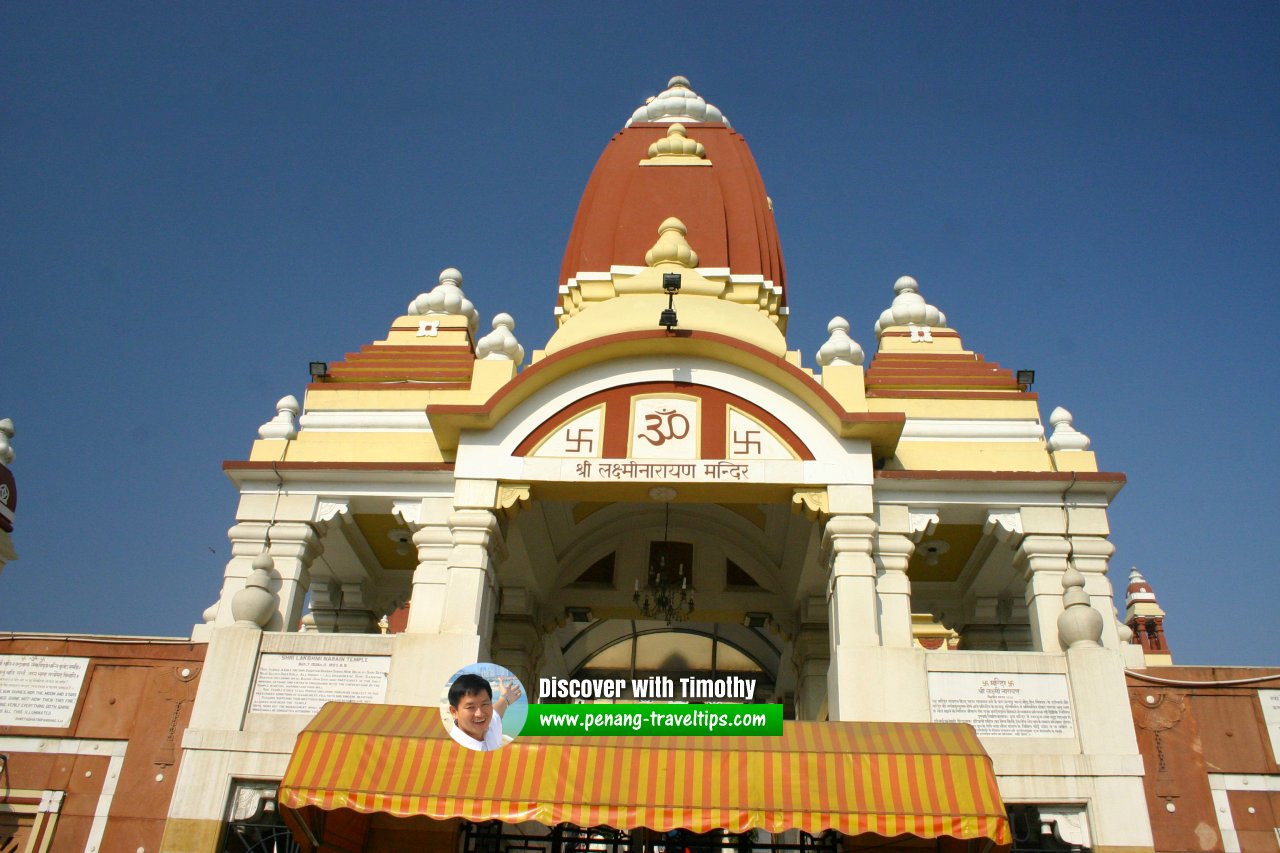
882 429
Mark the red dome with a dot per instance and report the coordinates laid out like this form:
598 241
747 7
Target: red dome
724 206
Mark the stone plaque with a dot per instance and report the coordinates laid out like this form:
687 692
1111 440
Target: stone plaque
40 690
1003 704
1270 701
301 684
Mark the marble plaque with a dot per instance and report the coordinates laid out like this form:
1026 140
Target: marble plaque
1003 704
40 690
301 684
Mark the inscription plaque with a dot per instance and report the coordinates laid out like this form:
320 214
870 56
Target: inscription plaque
39 690
1270 701
301 684
1003 704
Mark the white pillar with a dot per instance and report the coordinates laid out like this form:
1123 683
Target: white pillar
1091 555
892 554
426 602
852 604
471 590
294 546
1042 559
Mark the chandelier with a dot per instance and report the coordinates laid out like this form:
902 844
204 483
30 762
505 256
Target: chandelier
666 592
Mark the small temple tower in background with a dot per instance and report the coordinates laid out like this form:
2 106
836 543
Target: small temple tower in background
1145 617
8 495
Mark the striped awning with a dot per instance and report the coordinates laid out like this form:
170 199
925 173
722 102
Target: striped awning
928 780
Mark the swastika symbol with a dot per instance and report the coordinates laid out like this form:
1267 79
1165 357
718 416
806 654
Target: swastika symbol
582 442
747 442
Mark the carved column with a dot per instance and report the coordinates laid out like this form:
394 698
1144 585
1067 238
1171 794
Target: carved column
892 554
1090 556
426 603
1042 559
470 593
294 546
847 544
517 639
811 654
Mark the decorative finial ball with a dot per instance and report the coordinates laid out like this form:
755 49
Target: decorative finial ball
288 404
906 283
263 562
678 80
503 320
1059 416
451 275
671 223
838 324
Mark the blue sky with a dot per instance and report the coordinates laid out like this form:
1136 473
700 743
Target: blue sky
199 199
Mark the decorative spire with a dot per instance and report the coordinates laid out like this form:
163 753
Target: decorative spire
447 299
252 606
283 424
677 144
909 307
6 435
1065 436
501 344
1079 625
679 103
840 348
672 247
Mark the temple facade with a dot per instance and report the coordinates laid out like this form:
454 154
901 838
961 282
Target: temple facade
902 550
899 540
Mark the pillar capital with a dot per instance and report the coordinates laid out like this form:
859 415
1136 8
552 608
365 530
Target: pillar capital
1037 553
847 534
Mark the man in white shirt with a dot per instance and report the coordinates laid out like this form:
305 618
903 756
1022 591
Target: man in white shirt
477 719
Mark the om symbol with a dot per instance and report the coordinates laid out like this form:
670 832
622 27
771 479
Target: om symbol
665 425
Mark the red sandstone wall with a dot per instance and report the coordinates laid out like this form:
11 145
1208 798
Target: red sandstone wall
133 692
1201 726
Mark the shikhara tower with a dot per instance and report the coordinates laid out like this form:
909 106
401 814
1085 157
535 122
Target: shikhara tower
900 541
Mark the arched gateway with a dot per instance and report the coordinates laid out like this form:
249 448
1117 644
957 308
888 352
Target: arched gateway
666 490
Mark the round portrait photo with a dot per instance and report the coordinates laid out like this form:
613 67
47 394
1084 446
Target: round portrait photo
484 706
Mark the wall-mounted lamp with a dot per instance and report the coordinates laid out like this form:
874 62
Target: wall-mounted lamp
401 537
319 369
1026 378
670 286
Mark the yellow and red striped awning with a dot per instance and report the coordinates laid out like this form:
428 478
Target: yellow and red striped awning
922 779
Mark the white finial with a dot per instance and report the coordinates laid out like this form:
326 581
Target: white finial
500 344
6 434
283 424
840 348
447 299
909 307
678 102
252 606
1065 436
1079 625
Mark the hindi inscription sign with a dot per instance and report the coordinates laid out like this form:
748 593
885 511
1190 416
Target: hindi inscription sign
301 684
40 690
1003 704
